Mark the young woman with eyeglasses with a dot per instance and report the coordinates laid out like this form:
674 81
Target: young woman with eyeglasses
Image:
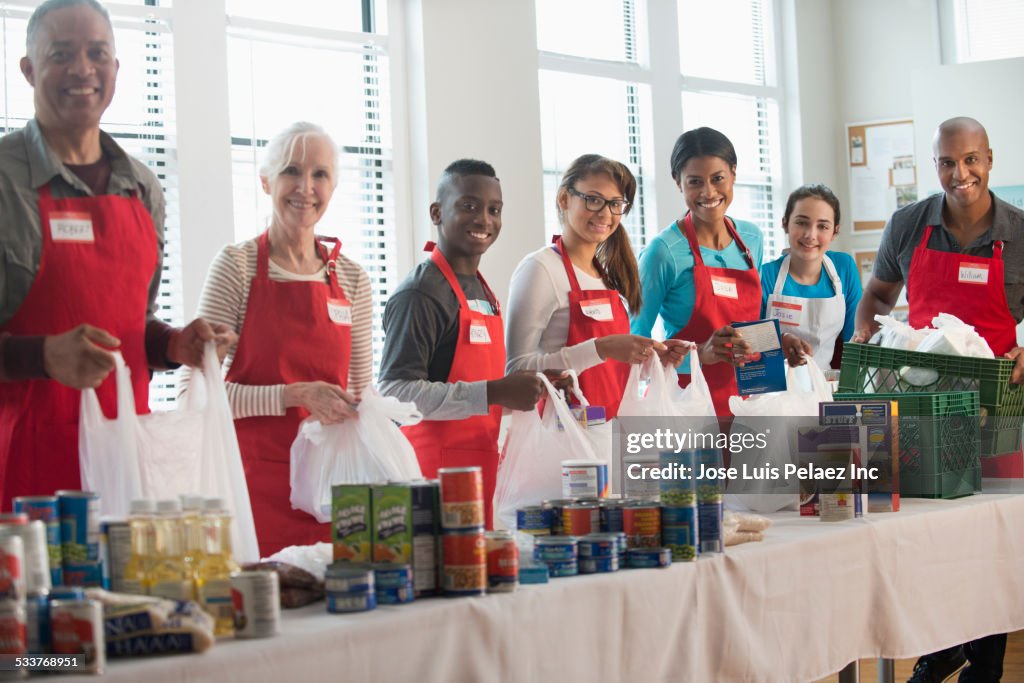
701 272
569 302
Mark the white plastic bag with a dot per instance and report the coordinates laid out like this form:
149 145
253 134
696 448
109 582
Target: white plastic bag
530 469
370 448
800 399
955 337
663 397
108 450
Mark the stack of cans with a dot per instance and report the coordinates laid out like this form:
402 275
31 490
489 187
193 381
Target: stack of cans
599 553
349 587
559 553
463 544
392 583
679 506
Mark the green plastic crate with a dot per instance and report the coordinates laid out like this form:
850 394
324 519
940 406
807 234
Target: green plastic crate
868 368
939 438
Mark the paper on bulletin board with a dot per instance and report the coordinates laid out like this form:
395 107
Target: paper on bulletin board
865 260
883 174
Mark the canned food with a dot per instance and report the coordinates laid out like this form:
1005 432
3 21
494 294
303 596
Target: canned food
13 639
611 515
534 520
387 575
641 558
79 526
679 532
709 527
256 598
599 565
555 549
77 628
642 524
502 562
37 621
12 564
599 545
584 478
47 511
561 569
67 593
115 550
462 497
344 603
394 595
13 518
580 519
343 577
464 563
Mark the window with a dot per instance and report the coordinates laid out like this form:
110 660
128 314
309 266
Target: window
977 30
590 102
140 118
335 75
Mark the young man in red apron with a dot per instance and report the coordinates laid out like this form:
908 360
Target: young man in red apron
445 347
83 259
959 252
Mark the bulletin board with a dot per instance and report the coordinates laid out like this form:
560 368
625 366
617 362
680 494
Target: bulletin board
883 171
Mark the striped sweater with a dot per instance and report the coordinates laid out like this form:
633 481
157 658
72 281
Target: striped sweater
225 297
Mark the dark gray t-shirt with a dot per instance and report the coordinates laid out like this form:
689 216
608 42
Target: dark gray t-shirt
905 229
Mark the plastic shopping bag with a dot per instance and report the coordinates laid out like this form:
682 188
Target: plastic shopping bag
800 399
662 397
530 469
108 450
364 450
896 334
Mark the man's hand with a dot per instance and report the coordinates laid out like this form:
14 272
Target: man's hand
328 403
1017 355
79 357
186 345
519 391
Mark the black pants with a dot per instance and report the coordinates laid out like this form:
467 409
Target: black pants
985 657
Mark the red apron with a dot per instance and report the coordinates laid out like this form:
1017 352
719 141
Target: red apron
293 332
724 295
98 257
596 313
969 287
479 356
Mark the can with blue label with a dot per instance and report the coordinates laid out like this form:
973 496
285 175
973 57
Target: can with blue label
67 593
534 520
555 549
557 506
345 603
561 569
643 558
345 577
611 514
599 545
394 595
679 532
709 526
37 620
599 565
388 575
80 537
46 510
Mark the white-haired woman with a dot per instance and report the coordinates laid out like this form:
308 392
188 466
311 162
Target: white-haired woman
302 311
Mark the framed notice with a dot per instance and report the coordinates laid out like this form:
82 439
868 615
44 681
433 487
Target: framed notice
883 172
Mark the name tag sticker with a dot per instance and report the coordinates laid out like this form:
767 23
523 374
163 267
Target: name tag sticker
974 273
478 333
339 311
786 313
71 226
724 287
598 309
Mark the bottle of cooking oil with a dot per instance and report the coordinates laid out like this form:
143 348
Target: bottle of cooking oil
191 509
216 563
169 577
143 554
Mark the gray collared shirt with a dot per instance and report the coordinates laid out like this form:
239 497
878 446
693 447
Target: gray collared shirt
905 229
26 164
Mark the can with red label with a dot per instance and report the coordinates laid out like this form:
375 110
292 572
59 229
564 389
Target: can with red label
12 563
464 562
256 600
462 497
76 627
502 562
642 523
580 519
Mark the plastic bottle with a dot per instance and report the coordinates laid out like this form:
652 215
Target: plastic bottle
170 578
191 509
216 564
143 541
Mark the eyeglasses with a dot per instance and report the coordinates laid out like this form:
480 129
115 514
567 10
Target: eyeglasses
595 203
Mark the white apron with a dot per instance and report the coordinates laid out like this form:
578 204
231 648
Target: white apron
817 321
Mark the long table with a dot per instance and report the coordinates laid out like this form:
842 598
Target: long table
810 598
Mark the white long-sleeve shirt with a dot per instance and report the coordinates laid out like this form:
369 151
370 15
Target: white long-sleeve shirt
537 326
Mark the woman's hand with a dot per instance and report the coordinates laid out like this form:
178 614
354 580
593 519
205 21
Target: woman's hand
796 350
675 351
327 403
725 346
627 348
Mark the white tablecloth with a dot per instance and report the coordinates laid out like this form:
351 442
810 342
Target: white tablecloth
800 605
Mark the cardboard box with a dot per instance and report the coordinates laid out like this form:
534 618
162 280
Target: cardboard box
877 438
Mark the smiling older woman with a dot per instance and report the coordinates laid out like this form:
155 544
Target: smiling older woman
303 314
